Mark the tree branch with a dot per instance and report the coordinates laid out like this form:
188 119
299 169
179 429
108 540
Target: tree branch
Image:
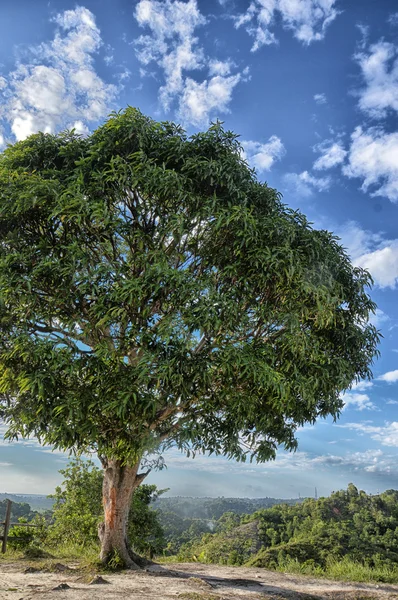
141 476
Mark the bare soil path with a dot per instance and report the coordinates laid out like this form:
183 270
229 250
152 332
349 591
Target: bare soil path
184 581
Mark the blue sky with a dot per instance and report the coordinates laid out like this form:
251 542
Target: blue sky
312 88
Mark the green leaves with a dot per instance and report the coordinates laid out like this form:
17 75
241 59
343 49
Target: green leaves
152 290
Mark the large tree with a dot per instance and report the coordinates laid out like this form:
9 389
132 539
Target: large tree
153 291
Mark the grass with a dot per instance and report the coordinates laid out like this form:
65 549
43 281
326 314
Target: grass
85 559
340 570
343 570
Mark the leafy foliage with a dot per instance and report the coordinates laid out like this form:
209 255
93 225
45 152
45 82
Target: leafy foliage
145 531
24 537
153 291
77 510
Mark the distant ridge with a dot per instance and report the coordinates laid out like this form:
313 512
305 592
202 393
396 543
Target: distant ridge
38 502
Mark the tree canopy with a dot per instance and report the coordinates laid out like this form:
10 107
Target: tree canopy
153 291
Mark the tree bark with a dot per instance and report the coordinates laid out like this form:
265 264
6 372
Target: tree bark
117 492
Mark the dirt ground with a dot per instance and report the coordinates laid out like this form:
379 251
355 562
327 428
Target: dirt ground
182 581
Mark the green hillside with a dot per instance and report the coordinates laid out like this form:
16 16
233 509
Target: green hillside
347 526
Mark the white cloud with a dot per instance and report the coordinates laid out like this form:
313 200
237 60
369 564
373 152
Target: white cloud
361 385
379 65
307 19
389 377
262 156
220 67
392 402
373 157
393 18
332 154
382 264
303 184
358 401
379 318
172 44
60 84
80 128
368 461
373 153
386 434
357 240
199 100
320 98
371 251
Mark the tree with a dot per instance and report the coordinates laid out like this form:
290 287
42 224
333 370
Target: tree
77 510
152 292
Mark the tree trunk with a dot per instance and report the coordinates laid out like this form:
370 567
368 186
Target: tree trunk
117 492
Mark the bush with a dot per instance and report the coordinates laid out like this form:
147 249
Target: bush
21 538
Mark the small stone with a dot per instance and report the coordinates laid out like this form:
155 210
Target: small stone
31 570
61 568
98 580
62 586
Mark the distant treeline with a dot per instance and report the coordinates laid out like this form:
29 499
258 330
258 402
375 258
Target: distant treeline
213 508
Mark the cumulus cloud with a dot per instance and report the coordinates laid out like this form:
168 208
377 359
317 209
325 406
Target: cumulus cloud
173 45
358 241
361 385
389 377
304 184
371 251
373 153
379 66
332 154
262 156
373 157
386 434
60 86
307 19
199 100
358 401
382 264
320 98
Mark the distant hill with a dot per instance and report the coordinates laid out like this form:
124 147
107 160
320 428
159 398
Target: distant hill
213 508
35 501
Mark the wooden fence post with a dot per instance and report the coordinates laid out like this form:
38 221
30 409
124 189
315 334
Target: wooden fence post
6 526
